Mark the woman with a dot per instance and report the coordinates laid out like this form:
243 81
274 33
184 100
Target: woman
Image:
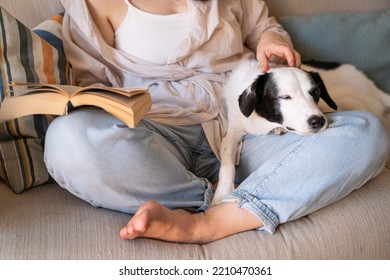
163 171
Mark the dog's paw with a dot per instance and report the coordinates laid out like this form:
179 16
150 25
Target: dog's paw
223 190
279 130
216 201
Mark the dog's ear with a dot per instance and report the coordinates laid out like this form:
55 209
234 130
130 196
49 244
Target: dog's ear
323 91
247 102
252 96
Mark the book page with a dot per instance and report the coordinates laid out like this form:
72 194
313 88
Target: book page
31 88
41 103
69 90
122 91
128 109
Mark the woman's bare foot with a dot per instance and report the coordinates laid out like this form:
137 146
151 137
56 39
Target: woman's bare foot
153 220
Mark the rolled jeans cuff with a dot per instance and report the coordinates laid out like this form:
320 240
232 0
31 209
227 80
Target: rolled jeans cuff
248 202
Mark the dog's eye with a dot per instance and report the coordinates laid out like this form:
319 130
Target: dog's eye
285 97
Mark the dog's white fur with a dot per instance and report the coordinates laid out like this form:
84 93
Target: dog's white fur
347 86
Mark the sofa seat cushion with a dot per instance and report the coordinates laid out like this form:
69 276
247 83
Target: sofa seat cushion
57 225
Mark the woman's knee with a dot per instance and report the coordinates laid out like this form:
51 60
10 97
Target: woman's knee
365 134
66 134
372 131
79 141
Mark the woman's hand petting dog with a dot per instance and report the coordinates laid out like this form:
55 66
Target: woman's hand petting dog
272 44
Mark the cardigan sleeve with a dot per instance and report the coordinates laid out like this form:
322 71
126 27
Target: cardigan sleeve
256 20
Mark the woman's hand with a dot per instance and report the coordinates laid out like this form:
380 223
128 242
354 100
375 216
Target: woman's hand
273 44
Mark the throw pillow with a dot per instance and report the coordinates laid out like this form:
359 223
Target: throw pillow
25 57
358 38
51 31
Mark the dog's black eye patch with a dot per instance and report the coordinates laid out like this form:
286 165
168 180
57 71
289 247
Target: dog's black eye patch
315 92
269 108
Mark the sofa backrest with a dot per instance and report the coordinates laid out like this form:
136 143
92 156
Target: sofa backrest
303 7
32 12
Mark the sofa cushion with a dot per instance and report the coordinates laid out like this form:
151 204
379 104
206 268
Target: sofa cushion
54 224
358 38
51 31
25 57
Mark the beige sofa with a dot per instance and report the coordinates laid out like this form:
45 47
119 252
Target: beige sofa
47 222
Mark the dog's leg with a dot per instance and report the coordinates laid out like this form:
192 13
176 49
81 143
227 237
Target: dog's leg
227 171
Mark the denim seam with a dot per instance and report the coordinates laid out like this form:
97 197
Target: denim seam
263 211
208 193
163 134
196 150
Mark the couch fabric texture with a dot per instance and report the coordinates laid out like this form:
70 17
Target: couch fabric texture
47 222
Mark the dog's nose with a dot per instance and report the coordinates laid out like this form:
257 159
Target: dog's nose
316 122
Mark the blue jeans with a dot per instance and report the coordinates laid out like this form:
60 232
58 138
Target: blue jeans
281 178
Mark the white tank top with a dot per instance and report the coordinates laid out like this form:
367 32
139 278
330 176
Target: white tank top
151 37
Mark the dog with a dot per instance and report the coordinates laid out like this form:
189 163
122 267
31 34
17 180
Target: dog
288 99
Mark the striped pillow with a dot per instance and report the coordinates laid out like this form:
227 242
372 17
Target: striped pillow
51 31
25 57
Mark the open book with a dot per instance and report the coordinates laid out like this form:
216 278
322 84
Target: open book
127 104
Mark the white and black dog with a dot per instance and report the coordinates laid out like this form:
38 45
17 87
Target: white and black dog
285 99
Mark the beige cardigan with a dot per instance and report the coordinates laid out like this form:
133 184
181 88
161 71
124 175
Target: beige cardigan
186 90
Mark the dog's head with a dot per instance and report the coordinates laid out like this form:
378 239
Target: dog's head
288 96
